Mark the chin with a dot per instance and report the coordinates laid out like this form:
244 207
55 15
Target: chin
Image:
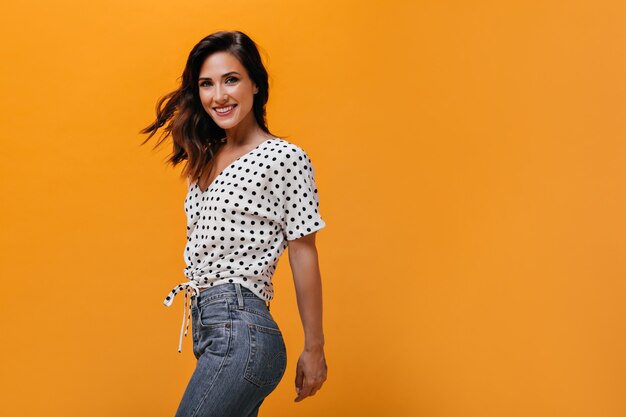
225 126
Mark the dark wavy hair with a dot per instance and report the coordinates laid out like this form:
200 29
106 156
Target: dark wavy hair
195 136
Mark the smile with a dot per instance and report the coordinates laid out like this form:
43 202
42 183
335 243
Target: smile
223 111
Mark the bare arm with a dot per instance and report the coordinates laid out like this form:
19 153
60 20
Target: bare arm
311 369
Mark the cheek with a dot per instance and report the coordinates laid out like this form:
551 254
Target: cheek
205 97
246 101
206 103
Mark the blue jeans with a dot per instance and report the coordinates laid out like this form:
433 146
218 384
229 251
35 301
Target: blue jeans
240 351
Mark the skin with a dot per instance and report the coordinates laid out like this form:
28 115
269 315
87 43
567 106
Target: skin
311 369
218 86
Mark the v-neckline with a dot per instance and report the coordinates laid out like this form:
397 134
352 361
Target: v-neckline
228 166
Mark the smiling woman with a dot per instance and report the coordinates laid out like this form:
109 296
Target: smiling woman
251 195
223 69
230 97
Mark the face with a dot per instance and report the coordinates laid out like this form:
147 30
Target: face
223 82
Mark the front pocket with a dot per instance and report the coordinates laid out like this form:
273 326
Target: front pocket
267 357
214 339
213 313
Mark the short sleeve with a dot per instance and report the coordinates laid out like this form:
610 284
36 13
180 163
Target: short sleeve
301 215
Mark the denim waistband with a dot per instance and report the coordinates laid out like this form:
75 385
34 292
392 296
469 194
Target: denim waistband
224 291
192 289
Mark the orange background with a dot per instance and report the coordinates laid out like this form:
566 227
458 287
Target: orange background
470 160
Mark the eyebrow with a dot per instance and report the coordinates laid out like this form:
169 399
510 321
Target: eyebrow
225 75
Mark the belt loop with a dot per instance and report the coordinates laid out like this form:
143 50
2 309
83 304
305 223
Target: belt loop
239 296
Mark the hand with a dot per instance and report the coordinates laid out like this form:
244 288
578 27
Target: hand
310 373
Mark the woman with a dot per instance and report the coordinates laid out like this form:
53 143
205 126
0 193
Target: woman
250 195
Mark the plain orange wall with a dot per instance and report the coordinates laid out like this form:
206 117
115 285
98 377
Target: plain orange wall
470 158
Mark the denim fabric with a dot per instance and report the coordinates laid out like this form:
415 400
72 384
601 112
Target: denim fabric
240 351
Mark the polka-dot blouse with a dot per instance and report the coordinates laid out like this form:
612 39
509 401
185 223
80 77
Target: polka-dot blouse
240 225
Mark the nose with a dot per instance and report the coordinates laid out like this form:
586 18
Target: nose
220 94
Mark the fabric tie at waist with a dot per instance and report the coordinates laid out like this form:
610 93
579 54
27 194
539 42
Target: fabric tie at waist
189 287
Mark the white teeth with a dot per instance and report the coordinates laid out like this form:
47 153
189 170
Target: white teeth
224 109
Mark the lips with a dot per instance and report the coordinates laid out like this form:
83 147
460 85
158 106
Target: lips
220 112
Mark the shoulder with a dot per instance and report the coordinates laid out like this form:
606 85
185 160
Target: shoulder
289 151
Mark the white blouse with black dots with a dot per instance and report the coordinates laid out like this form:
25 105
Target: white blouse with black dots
239 226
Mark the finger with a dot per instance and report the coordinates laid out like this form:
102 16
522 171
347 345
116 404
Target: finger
302 390
299 379
316 388
305 392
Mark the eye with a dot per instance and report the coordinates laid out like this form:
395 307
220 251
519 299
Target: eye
205 82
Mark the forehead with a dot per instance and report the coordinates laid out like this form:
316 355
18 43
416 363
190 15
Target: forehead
220 63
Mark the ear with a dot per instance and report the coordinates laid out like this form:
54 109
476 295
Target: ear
256 89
